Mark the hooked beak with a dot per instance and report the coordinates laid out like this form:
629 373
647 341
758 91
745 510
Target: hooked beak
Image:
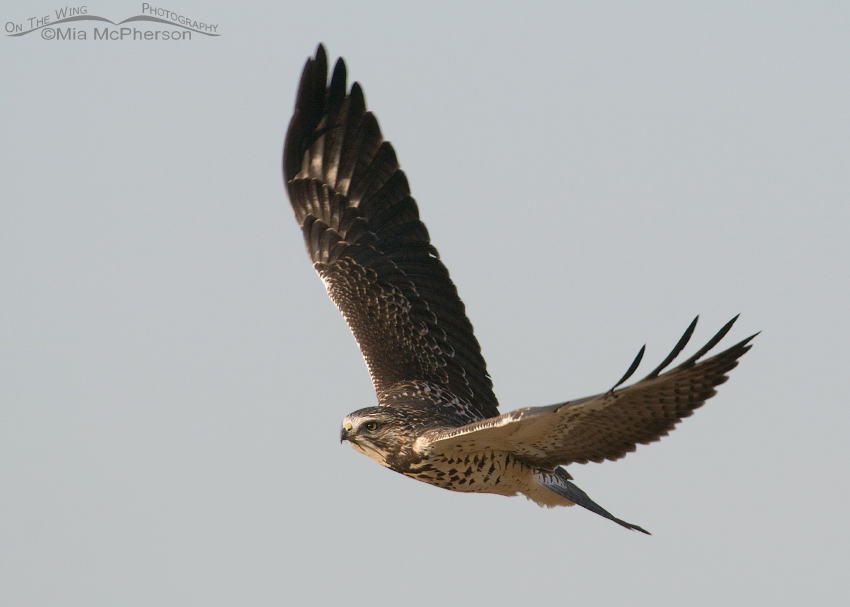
344 434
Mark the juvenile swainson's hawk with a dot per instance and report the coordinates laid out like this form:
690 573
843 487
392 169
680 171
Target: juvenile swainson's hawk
437 419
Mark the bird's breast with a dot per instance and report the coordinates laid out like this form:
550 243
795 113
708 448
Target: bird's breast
480 472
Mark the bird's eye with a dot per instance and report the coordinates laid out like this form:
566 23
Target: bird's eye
371 426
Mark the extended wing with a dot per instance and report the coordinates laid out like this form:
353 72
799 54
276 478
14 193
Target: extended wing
605 426
364 236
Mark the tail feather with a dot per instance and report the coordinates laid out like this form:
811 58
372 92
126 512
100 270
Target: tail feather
559 483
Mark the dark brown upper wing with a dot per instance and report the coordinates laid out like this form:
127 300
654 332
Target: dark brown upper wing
606 426
364 236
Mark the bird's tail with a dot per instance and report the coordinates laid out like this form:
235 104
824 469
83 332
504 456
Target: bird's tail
559 482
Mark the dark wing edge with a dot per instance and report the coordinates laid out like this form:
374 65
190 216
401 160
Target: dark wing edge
363 233
606 426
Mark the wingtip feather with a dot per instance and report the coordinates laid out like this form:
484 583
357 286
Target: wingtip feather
680 345
711 343
632 368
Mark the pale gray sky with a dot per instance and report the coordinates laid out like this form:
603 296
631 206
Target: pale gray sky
594 175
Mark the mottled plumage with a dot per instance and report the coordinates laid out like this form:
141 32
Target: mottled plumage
437 419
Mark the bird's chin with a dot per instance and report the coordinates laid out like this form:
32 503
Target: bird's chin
368 449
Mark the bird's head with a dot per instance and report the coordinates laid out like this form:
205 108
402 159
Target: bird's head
382 433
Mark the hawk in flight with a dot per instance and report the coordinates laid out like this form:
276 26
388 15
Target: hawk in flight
437 419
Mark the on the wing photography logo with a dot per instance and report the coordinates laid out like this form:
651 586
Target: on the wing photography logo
76 23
